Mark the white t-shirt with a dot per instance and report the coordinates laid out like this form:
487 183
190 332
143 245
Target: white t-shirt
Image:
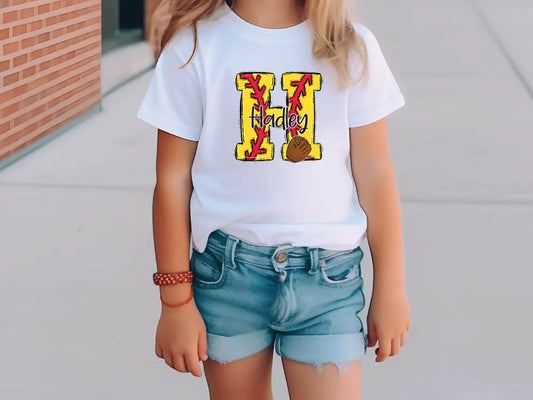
272 164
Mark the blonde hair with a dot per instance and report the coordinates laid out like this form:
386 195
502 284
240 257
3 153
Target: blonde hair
334 35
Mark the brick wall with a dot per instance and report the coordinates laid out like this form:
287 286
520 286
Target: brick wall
49 66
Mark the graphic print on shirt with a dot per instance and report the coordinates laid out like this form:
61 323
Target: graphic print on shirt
297 117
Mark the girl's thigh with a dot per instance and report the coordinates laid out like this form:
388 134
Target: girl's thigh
243 379
306 383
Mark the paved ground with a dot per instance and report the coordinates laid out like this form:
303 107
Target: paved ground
79 311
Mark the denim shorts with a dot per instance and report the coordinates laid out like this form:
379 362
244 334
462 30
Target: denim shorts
305 300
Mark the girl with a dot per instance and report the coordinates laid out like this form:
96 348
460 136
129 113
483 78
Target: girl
272 157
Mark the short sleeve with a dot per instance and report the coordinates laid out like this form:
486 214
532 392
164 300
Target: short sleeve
381 94
173 99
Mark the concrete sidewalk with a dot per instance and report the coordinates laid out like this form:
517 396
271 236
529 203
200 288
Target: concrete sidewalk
78 308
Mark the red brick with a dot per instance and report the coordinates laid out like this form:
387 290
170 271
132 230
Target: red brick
28 72
32 99
36 25
51 20
11 47
57 32
38 110
4 65
44 8
20 29
36 54
20 60
11 78
22 118
43 37
28 12
29 42
5 127
9 110
10 16
54 47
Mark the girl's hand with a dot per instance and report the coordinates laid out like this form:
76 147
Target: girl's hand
388 321
181 338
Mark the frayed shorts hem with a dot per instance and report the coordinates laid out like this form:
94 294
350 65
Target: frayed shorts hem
339 349
225 349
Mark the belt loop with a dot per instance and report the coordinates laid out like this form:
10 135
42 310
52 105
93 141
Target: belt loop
229 253
313 253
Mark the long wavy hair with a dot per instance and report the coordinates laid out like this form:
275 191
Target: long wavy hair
334 35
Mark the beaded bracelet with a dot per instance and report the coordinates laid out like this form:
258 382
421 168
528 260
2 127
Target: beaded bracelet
172 278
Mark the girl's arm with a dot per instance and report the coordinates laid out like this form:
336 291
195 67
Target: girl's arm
171 210
388 316
376 188
181 332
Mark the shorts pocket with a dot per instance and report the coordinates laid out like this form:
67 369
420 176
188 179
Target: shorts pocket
342 270
207 269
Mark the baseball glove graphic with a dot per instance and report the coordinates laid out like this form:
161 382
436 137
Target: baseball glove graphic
298 148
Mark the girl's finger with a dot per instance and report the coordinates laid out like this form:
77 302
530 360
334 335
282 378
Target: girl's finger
402 340
384 349
158 351
395 345
193 364
202 346
167 356
372 336
179 363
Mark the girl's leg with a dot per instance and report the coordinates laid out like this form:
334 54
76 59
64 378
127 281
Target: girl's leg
306 383
244 379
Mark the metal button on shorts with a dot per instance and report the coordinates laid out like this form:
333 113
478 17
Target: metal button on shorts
282 257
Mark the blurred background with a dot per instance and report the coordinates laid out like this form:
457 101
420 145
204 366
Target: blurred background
78 310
